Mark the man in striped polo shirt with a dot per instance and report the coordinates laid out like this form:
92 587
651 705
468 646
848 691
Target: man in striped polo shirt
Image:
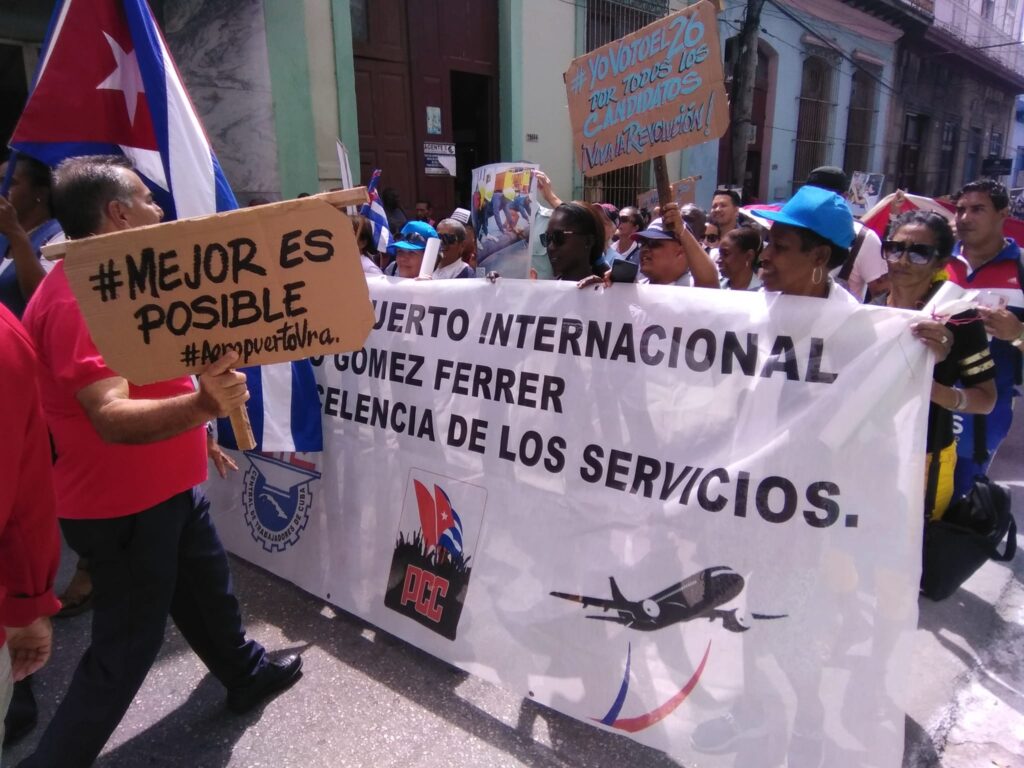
986 260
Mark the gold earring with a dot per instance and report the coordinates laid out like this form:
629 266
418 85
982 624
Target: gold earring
817 274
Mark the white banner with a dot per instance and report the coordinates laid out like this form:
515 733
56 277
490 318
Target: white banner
689 516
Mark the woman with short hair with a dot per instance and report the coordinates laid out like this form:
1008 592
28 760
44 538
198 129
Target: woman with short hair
737 259
919 246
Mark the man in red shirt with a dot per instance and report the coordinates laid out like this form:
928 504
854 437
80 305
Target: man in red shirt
29 544
130 461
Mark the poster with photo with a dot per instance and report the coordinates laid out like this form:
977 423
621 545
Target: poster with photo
504 207
865 191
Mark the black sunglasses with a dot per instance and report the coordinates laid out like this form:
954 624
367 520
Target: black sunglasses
554 236
917 253
448 239
414 238
711 238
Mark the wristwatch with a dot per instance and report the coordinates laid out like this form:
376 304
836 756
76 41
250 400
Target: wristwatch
1019 341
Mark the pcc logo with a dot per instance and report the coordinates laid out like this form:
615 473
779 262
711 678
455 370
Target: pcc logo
437 537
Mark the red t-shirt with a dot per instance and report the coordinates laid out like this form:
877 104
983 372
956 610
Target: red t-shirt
96 479
29 542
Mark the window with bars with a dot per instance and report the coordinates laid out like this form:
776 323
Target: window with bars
814 119
861 120
607 21
995 144
972 162
947 156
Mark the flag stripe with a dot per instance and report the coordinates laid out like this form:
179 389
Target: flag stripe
307 430
60 14
277 422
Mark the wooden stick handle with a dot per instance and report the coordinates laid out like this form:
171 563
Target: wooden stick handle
242 428
339 199
661 180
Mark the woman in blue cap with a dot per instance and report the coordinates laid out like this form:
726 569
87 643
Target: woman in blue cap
810 236
409 249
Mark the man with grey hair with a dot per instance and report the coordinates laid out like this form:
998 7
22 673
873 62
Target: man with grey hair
131 461
451 262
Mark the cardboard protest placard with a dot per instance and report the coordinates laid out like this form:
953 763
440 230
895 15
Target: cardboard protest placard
275 282
684 192
654 91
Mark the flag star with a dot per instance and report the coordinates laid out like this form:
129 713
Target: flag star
126 77
444 515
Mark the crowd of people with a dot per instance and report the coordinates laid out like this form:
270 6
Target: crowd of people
148 548
812 246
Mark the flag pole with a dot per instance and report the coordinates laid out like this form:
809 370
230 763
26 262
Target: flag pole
9 174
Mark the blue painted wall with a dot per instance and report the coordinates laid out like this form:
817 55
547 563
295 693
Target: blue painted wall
788 40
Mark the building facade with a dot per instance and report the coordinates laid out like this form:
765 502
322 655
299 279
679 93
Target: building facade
957 80
924 91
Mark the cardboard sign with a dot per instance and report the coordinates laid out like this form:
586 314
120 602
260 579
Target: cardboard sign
684 192
655 91
275 282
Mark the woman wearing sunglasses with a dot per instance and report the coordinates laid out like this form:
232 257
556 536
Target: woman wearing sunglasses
917 250
710 237
574 241
409 248
452 263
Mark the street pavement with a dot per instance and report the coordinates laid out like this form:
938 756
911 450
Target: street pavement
370 700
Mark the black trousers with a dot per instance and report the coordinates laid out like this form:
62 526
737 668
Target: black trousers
166 560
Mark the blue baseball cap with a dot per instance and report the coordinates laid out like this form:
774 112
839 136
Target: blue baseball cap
414 236
823 212
655 231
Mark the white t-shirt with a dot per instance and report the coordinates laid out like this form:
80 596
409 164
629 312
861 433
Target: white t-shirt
869 264
685 280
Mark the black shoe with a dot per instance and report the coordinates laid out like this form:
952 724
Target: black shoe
274 677
22 714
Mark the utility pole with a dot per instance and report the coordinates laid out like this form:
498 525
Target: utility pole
742 94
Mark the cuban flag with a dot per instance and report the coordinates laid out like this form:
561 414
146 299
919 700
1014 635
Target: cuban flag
374 211
439 522
106 84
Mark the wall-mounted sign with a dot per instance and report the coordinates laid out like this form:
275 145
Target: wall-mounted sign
438 159
434 121
996 166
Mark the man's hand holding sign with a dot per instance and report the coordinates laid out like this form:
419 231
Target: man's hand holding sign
118 419
198 296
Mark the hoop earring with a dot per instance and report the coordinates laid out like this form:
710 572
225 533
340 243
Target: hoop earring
817 275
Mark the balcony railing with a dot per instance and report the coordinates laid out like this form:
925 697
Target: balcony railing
955 17
927 6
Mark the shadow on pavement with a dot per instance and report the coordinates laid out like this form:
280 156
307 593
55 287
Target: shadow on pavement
432 684
919 751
